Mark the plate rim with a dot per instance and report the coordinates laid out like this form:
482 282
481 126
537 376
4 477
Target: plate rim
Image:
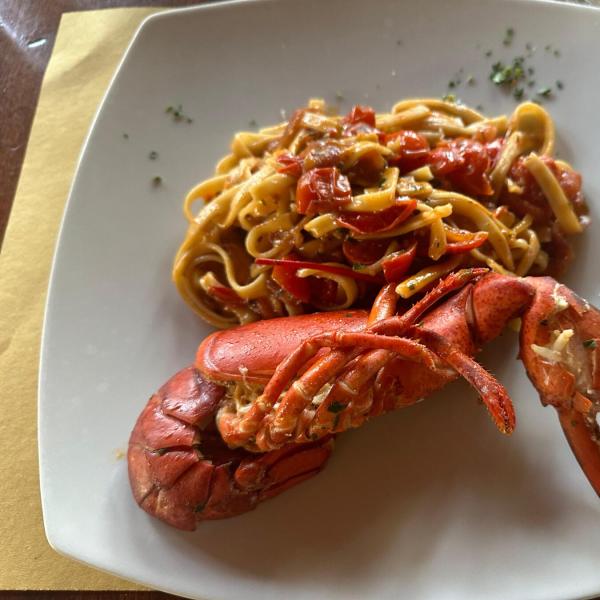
147 22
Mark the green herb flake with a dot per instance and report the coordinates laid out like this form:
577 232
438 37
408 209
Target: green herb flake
544 92
573 423
178 114
560 85
252 123
398 42
357 266
411 286
508 36
157 180
449 98
153 155
125 136
336 407
547 47
518 93
556 53
470 80
589 344
339 96
199 507
161 451
451 84
488 53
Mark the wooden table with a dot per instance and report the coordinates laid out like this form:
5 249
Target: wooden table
27 32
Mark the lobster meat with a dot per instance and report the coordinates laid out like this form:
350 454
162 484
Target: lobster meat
258 411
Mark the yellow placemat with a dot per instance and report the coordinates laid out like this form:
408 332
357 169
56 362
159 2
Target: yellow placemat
88 48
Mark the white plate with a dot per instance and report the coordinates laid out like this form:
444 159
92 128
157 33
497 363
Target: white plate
430 502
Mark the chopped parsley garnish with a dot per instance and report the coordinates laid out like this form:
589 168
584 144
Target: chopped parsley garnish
503 74
125 136
153 155
177 113
449 98
161 451
560 85
471 80
157 180
488 53
589 344
545 92
556 53
339 96
336 407
252 123
508 36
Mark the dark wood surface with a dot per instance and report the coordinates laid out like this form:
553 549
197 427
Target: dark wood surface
27 33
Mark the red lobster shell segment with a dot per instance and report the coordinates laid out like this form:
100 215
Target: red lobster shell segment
182 472
254 351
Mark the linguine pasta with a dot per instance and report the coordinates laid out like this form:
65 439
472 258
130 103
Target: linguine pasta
318 212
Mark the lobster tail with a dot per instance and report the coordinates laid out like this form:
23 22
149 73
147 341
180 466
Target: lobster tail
182 472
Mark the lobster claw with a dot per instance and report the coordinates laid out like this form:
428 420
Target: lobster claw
560 347
182 472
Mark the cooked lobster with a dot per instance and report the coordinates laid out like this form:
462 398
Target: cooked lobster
257 412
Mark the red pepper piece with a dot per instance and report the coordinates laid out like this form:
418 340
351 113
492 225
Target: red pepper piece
469 242
305 264
226 294
380 221
398 264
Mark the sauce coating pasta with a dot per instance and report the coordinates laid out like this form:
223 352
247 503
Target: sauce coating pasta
318 212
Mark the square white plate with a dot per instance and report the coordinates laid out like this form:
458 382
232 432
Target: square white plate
430 502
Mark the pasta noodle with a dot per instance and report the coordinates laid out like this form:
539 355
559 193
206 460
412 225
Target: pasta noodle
318 212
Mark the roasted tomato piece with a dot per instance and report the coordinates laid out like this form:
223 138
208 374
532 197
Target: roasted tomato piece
360 114
323 292
464 164
289 164
379 221
324 153
411 150
364 252
360 120
532 200
398 264
493 149
322 190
